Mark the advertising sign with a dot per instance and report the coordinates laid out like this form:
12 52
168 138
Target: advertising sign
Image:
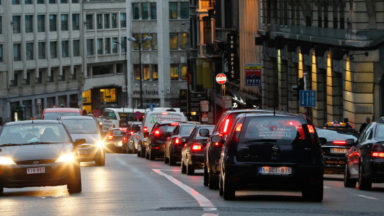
253 74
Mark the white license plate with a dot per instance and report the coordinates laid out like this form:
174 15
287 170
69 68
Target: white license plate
37 170
267 170
338 150
117 133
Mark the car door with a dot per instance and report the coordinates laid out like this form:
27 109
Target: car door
354 153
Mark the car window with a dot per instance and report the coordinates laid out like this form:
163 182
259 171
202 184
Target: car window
76 126
379 133
186 130
210 131
332 135
109 115
56 115
32 133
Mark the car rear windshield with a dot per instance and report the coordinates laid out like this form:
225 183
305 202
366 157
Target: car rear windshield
186 130
81 126
331 135
166 128
380 132
56 115
270 128
33 133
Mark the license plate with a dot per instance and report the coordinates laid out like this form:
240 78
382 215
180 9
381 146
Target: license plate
338 150
37 170
266 170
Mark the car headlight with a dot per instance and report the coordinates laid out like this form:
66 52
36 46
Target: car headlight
6 161
66 158
100 144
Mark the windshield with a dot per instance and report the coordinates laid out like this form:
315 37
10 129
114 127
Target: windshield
56 115
76 126
210 131
186 130
331 135
33 133
379 132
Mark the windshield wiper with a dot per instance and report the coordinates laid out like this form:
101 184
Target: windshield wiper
33 143
10 144
261 140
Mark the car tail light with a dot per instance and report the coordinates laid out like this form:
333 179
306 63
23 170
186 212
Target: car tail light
196 147
156 147
299 129
339 142
177 141
123 129
131 132
226 125
145 129
157 132
110 137
238 127
174 124
311 129
217 144
125 139
377 154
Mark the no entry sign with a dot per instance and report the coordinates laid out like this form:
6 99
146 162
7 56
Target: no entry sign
221 78
138 115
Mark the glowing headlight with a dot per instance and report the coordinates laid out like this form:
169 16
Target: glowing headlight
66 158
100 144
6 161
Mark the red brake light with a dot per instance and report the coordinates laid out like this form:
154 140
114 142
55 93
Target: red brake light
299 129
157 132
196 147
217 144
340 142
125 139
145 129
174 124
311 129
164 113
177 141
226 124
377 154
156 147
131 132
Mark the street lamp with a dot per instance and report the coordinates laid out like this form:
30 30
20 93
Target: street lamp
132 39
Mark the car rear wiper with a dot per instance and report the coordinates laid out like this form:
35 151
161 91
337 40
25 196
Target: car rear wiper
261 140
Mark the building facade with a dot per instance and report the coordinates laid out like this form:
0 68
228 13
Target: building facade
332 47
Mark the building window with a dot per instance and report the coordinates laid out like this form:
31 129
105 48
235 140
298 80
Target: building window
28 23
41 23
144 11
124 44
64 49
76 48
100 46
154 41
153 11
52 23
183 40
41 50
154 72
114 20
184 10
99 21
172 10
135 11
17 52
89 21
28 79
15 2
64 22
106 21
39 79
147 44
63 1
27 1
29 51
123 20
75 1
136 44
53 49
115 43
136 68
146 72
40 2
1 53
52 1
174 72
90 47
184 72
107 46
75 22
173 41
16 24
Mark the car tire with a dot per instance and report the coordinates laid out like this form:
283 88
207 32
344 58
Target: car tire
205 181
348 182
183 168
172 161
190 170
166 160
74 181
365 183
228 189
313 193
100 159
213 181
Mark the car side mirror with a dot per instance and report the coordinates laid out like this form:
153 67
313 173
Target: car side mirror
350 142
79 142
204 132
323 141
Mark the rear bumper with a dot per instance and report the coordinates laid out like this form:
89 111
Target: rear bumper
377 170
334 164
88 154
198 160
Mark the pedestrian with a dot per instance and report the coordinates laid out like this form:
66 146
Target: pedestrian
365 124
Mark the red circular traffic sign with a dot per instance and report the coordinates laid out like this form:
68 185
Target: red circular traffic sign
221 78
137 115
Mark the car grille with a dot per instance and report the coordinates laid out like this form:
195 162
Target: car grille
35 162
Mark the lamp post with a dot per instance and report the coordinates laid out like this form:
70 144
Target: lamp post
132 39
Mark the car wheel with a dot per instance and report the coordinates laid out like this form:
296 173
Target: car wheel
213 181
228 189
100 160
313 192
205 175
183 168
190 170
172 161
365 183
74 181
348 182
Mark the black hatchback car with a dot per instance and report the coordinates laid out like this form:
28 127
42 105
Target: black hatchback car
365 160
272 151
38 153
155 144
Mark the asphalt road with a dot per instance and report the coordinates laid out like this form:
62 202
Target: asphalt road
128 185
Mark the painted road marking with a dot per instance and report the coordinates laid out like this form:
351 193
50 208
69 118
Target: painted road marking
367 197
202 200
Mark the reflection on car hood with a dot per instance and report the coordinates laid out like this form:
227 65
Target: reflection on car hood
89 138
36 152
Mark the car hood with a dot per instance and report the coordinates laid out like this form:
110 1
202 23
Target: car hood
89 138
36 152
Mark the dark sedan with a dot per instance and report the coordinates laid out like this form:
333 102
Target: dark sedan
192 155
365 160
335 144
38 153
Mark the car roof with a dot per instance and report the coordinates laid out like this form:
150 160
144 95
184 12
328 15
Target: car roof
273 114
247 111
48 110
77 118
33 122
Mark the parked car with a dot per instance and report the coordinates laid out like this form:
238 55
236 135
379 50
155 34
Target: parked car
365 160
274 152
335 144
213 148
192 154
56 113
155 144
85 127
175 142
38 153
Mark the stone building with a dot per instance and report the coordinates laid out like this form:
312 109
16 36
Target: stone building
332 47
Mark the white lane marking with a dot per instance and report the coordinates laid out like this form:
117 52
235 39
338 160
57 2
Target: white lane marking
202 200
327 187
367 197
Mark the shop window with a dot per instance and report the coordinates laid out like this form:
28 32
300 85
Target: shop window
184 72
146 72
174 72
173 41
154 72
